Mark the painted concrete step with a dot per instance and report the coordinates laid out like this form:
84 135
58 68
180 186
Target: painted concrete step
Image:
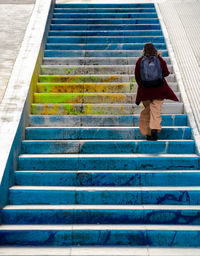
129 15
103 21
104 195
91 87
105 27
93 78
101 109
82 98
109 54
108 178
89 69
107 147
103 39
104 10
116 5
86 87
93 61
101 133
98 251
106 33
126 46
108 162
107 235
100 214
99 120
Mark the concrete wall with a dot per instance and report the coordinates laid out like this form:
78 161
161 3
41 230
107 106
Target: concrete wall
15 107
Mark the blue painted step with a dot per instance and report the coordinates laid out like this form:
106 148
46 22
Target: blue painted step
115 6
104 10
102 236
107 178
90 27
100 120
107 147
105 15
107 33
104 195
58 133
108 162
100 40
101 214
106 21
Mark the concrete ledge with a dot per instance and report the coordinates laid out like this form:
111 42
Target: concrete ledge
100 251
17 1
14 108
187 104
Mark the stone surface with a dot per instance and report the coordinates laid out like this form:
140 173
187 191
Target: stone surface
15 16
184 35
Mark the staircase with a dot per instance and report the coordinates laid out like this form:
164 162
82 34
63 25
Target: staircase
86 176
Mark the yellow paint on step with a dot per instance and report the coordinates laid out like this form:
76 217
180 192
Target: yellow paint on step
111 78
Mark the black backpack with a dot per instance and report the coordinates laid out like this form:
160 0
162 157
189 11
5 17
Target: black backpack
151 72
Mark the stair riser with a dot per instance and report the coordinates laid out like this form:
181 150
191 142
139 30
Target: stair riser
94 216
59 53
93 61
159 46
107 163
94 147
101 237
55 197
105 21
91 88
100 109
101 120
103 40
100 134
103 10
85 98
84 88
106 33
93 78
143 6
105 16
101 178
77 70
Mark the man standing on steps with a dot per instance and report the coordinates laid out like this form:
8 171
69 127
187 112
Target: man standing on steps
150 71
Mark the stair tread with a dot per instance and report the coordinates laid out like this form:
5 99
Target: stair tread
90 140
100 207
90 93
104 104
110 171
105 188
106 155
99 251
100 227
104 127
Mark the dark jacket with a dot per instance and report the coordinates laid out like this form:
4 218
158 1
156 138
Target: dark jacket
161 92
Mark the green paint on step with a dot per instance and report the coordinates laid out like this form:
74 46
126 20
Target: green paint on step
58 98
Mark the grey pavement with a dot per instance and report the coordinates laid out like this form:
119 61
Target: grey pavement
182 20
14 16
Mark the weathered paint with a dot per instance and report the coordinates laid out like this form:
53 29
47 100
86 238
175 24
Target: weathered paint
83 98
86 87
